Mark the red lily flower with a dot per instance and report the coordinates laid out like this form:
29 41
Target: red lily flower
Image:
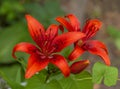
49 42
93 46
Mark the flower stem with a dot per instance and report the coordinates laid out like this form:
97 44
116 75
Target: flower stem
21 61
47 77
49 73
88 78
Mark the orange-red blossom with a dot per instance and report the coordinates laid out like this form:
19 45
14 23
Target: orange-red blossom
49 43
96 47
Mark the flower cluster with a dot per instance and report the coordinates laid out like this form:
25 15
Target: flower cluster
50 43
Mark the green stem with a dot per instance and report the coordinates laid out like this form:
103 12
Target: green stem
47 77
23 64
49 72
88 78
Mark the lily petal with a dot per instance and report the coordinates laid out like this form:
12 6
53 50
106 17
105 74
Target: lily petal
25 47
65 23
74 22
98 44
36 30
63 40
76 53
61 63
102 54
52 32
97 51
35 64
91 27
79 66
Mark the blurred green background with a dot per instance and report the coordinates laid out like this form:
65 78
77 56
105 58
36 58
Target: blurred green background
13 27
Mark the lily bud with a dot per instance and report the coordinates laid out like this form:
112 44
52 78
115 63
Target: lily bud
79 66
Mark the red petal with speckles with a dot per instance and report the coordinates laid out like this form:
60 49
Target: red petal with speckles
91 27
36 30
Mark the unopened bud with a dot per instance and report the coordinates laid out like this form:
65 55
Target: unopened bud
79 66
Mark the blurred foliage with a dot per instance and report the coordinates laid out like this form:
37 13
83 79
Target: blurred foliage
10 12
115 34
13 27
11 34
13 11
46 12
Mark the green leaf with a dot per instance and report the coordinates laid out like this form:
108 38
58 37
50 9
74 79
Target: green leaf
10 70
11 83
109 73
84 78
37 81
98 72
68 83
54 84
78 81
111 76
